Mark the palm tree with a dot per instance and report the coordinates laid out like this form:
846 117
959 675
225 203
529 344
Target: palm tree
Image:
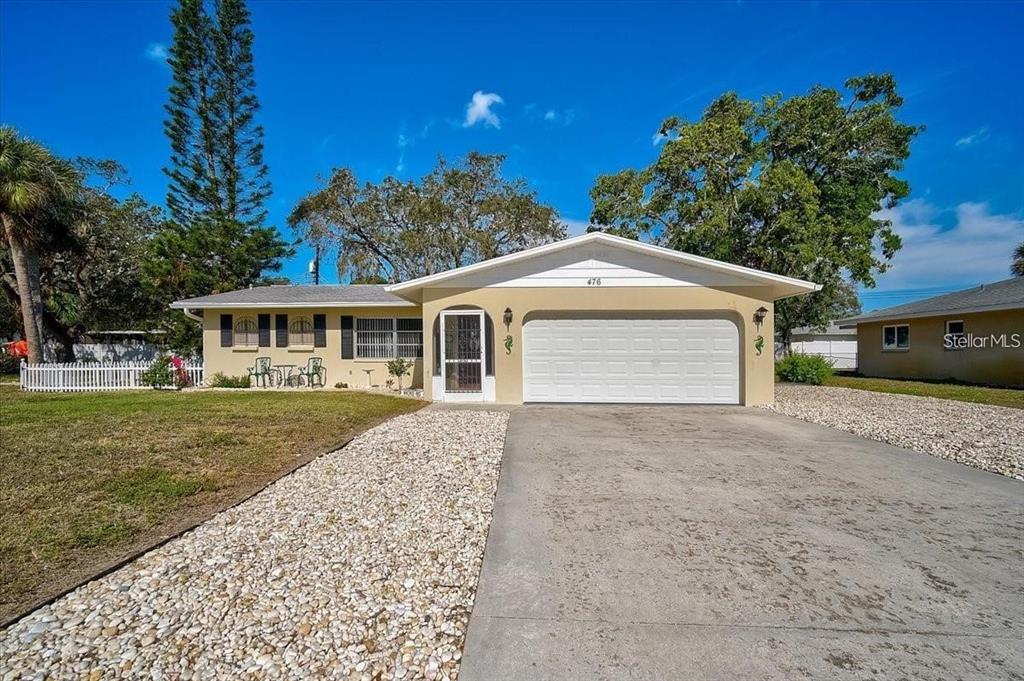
39 198
1018 260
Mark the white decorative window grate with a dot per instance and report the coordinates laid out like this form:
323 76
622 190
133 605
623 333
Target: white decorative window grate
247 333
387 338
300 331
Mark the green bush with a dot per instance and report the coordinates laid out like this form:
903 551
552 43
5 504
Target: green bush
219 380
798 368
9 364
160 374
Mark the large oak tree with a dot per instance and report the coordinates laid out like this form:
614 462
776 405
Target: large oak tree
396 230
792 186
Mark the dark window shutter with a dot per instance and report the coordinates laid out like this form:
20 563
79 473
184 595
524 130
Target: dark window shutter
319 331
488 344
437 345
226 323
264 326
281 326
348 341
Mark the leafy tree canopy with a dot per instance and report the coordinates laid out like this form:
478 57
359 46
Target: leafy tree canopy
396 230
91 278
792 186
40 201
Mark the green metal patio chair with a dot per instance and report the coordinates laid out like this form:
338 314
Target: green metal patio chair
262 372
313 372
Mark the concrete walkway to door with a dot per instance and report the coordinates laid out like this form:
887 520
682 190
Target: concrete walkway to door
732 543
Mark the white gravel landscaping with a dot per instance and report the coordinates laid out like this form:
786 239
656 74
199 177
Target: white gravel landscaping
363 565
983 436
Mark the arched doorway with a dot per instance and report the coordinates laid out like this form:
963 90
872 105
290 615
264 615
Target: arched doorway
464 355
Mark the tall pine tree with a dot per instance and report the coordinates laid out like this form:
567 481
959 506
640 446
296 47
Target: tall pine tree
217 169
217 180
245 185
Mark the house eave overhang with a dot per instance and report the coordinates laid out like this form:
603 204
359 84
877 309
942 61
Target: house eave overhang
780 286
187 305
852 322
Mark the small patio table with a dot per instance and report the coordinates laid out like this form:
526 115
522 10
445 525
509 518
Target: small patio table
287 373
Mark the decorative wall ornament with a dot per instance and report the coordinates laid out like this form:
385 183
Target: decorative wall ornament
508 345
759 344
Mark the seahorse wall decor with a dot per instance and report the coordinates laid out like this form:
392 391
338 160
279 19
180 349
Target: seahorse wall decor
508 345
759 344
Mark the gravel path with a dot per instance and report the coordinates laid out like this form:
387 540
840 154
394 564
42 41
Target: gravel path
979 435
362 564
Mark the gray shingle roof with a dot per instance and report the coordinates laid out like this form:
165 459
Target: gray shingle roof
296 296
1000 295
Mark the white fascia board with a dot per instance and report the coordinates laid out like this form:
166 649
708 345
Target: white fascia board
794 286
238 306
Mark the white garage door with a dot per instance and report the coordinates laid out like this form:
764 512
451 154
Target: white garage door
631 360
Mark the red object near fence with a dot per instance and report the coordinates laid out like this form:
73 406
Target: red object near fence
18 348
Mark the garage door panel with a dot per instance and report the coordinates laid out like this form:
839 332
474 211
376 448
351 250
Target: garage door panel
631 360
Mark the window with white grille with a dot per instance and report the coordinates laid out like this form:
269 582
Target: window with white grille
300 331
409 338
247 332
388 338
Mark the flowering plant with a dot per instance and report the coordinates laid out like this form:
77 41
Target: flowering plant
166 372
181 376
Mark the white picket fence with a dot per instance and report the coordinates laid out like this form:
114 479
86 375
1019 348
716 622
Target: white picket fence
92 376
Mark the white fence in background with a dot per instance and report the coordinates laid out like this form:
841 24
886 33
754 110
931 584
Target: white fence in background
92 376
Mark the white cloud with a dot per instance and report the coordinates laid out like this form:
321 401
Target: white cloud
156 52
479 109
403 142
550 115
979 135
976 249
657 138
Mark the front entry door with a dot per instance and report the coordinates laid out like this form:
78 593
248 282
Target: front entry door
462 355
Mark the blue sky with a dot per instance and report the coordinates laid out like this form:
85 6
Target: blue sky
384 88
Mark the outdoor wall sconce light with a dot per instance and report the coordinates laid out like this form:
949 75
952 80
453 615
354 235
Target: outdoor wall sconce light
507 318
759 315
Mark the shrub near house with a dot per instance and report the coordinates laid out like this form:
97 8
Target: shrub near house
798 368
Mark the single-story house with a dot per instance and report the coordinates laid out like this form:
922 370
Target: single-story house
975 336
837 345
593 318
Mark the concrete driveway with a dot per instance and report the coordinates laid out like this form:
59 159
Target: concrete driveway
731 543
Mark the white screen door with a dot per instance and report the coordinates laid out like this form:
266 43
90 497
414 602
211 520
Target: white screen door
462 354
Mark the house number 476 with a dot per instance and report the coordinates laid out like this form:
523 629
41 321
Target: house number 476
594 281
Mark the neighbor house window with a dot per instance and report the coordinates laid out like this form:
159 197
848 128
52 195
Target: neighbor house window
954 332
247 332
388 338
300 331
896 337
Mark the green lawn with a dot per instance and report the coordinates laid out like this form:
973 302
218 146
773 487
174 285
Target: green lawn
1002 397
87 478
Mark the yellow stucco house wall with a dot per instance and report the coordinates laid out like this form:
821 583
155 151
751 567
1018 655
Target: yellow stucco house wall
591 318
927 357
974 336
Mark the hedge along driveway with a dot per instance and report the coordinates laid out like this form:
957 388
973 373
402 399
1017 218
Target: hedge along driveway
87 479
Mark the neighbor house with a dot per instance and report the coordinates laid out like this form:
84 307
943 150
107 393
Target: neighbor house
975 336
594 318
